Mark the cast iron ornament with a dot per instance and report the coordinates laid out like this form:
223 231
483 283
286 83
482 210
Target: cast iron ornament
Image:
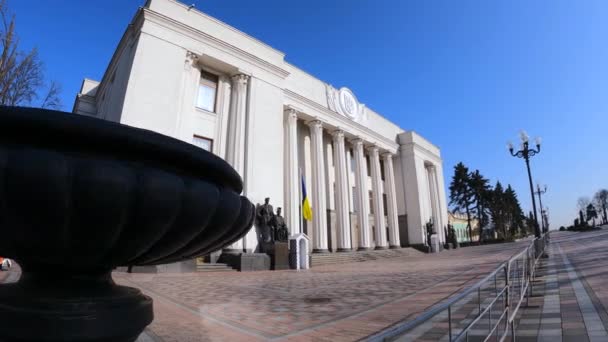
80 196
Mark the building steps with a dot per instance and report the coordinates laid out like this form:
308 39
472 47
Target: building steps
216 267
347 257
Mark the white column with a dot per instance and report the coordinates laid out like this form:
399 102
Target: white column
432 194
391 201
362 195
341 199
292 181
237 121
374 164
187 93
319 209
437 206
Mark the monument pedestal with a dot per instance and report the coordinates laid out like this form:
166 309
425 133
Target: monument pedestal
434 243
280 260
247 261
278 253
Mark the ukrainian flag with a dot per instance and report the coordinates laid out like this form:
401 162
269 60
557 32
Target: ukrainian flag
306 209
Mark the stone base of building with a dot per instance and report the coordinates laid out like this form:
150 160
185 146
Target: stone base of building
381 247
320 250
395 247
232 251
185 266
344 250
245 262
421 247
363 249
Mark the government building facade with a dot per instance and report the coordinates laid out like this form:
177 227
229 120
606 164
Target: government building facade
182 73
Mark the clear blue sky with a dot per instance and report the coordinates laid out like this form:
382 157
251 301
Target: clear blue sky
467 75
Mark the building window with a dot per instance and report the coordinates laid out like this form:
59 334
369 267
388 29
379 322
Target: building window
382 170
355 204
202 142
371 203
352 161
207 91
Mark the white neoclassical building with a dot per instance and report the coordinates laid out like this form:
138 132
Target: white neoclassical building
184 74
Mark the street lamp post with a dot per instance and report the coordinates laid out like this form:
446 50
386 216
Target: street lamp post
526 153
540 192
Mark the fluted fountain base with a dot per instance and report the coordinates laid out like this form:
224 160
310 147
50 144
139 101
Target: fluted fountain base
51 306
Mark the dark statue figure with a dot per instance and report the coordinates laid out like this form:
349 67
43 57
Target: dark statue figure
452 236
280 228
265 216
429 232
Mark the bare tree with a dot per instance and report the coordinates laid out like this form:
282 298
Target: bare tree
21 73
582 204
600 201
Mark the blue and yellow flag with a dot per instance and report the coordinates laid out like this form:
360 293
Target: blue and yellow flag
306 209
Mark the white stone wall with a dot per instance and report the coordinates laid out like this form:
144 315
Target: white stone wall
152 83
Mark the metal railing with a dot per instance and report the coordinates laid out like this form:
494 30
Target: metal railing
486 311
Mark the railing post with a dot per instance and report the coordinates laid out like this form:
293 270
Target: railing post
479 300
450 322
507 294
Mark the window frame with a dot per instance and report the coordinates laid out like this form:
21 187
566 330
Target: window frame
211 142
210 84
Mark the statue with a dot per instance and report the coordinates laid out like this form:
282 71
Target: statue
429 232
264 217
281 233
453 237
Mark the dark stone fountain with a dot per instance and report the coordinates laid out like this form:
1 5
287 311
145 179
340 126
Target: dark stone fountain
80 196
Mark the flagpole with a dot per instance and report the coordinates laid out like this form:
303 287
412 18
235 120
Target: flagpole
301 230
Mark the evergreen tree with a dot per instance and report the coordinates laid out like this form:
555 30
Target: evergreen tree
531 222
497 209
514 213
481 193
461 194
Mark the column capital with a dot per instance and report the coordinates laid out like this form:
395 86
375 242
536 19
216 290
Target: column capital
240 78
387 155
315 124
356 141
190 60
338 134
291 113
373 149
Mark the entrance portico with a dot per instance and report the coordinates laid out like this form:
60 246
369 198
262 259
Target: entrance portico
338 190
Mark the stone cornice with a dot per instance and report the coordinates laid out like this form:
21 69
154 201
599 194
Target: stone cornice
205 38
344 123
226 26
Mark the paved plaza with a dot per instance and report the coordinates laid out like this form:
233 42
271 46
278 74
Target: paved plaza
346 302
335 302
